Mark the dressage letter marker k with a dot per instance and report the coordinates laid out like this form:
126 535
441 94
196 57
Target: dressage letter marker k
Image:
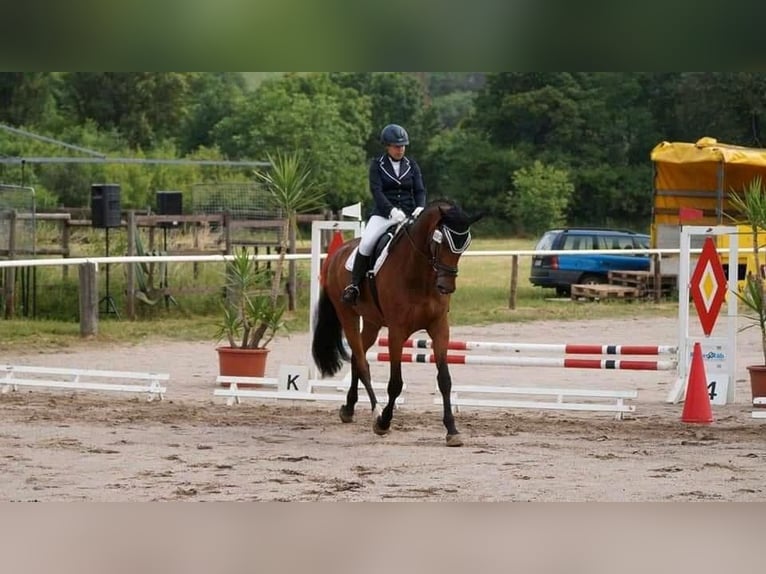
293 378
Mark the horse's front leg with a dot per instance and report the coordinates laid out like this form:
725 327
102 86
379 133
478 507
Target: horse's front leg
369 336
439 342
383 422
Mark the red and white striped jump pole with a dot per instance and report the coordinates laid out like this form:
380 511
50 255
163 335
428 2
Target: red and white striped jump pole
563 349
629 365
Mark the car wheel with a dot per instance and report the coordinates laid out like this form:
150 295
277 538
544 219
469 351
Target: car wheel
592 280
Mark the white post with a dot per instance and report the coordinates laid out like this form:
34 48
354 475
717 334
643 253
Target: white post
317 256
719 352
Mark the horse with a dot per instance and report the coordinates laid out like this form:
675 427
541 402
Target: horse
411 292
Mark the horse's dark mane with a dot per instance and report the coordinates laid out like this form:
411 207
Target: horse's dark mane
442 200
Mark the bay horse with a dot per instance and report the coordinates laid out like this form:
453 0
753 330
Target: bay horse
412 292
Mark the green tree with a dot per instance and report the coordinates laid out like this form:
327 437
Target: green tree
464 166
539 198
597 126
728 106
217 95
26 98
395 97
451 109
446 83
328 123
145 107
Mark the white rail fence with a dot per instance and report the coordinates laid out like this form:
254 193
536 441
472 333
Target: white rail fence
89 268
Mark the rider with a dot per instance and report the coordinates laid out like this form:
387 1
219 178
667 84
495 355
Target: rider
397 189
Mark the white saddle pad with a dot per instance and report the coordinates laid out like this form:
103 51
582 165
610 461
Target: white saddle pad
378 263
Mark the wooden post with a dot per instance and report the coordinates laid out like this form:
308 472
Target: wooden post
10 275
65 235
195 245
130 303
10 272
227 232
657 277
88 299
514 281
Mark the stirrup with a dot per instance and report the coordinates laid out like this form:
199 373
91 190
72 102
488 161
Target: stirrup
350 294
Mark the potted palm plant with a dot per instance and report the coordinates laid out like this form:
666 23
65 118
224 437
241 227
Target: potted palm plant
751 205
253 312
249 320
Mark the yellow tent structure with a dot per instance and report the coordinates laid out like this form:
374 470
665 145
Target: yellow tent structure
694 177
700 176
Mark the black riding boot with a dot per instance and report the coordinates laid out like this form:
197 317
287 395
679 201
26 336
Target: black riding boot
351 292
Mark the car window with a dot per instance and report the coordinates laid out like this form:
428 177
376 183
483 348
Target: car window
546 242
618 242
642 241
578 242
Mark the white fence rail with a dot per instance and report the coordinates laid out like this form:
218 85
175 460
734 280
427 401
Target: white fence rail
89 268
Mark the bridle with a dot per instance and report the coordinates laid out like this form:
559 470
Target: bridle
457 242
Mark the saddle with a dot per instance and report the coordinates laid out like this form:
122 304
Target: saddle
389 238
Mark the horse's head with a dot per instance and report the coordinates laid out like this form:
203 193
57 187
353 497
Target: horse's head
449 236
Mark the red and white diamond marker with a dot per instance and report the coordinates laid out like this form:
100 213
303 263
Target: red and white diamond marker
708 286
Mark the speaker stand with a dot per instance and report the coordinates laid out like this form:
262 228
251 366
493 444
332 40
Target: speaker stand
108 302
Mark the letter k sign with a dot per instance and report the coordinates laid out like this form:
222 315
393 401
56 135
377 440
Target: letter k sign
294 378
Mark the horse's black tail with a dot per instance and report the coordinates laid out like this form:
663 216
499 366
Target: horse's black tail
327 345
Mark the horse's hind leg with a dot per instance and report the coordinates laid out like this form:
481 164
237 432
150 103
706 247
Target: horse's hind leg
360 369
439 341
347 410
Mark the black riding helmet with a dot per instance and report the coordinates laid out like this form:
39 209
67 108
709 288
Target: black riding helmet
394 134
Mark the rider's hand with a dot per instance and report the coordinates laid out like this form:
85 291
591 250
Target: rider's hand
417 211
397 215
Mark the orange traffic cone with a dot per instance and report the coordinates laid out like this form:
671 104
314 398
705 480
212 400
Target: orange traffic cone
697 404
335 243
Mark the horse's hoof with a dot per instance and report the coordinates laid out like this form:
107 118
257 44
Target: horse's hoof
345 415
454 440
378 429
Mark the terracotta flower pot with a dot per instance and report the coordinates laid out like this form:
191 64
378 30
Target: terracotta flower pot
757 381
236 362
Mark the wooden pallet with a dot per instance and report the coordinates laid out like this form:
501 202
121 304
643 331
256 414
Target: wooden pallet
644 282
603 292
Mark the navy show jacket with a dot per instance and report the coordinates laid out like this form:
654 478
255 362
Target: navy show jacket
405 191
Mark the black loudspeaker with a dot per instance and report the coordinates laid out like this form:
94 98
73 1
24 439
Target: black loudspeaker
169 203
105 205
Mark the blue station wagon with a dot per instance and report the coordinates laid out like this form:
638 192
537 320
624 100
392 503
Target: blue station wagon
560 272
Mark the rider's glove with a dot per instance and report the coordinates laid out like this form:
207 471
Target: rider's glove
397 215
416 212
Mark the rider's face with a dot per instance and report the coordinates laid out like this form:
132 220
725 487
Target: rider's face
396 151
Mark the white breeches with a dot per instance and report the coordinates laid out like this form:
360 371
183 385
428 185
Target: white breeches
375 227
